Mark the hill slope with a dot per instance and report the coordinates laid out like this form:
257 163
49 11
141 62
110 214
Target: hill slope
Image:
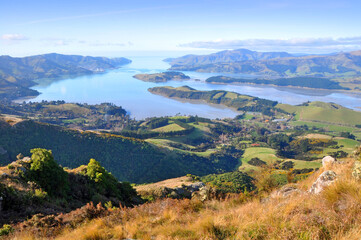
230 99
128 159
324 113
338 65
292 212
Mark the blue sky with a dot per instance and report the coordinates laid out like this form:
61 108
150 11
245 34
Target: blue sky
146 27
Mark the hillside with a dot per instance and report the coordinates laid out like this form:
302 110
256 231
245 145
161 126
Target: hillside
37 185
323 113
161 77
22 72
294 211
229 99
128 159
308 82
344 64
227 56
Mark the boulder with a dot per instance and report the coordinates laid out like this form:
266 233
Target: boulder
285 191
4 175
328 161
203 194
182 192
356 170
195 186
324 180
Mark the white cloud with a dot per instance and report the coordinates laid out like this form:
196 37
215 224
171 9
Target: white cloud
57 41
111 44
13 37
296 44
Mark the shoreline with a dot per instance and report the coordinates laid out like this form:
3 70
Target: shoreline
289 86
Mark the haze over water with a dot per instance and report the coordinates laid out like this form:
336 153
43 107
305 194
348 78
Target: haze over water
119 87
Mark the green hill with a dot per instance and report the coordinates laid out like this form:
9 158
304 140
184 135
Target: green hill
309 82
324 113
128 159
230 99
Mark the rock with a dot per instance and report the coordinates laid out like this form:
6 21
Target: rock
174 195
356 170
182 192
4 175
324 180
26 159
195 186
203 194
162 192
285 191
328 161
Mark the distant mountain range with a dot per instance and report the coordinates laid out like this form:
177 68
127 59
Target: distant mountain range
17 74
227 56
343 64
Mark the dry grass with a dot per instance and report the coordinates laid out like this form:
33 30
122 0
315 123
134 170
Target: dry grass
170 183
333 214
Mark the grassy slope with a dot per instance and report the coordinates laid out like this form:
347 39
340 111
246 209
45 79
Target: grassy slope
324 112
269 156
169 128
333 214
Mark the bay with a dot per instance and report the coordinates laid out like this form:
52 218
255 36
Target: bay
119 87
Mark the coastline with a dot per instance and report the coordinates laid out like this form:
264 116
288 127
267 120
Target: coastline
289 86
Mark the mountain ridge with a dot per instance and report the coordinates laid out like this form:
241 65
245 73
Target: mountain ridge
343 64
18 74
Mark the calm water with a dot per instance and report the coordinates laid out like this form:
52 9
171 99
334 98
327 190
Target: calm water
119 87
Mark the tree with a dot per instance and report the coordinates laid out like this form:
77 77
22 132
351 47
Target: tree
47 173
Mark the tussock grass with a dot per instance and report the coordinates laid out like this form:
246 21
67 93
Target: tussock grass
333 214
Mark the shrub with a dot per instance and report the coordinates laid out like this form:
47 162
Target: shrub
232 182
6 229
106 183
47 173
257 162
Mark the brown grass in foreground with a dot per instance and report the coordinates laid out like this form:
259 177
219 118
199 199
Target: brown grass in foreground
333 214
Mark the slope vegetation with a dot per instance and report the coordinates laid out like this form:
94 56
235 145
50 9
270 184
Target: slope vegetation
128 159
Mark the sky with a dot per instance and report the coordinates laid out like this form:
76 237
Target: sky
176 27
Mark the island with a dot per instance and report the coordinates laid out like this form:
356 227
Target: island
17 75
306 82
161 77
233 100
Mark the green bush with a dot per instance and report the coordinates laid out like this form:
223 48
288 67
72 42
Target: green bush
106 183
47 173
6 230
231 182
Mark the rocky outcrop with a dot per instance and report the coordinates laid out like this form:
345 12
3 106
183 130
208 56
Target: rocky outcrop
195 190
285 191
204 193
328 161
356 170
324 180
